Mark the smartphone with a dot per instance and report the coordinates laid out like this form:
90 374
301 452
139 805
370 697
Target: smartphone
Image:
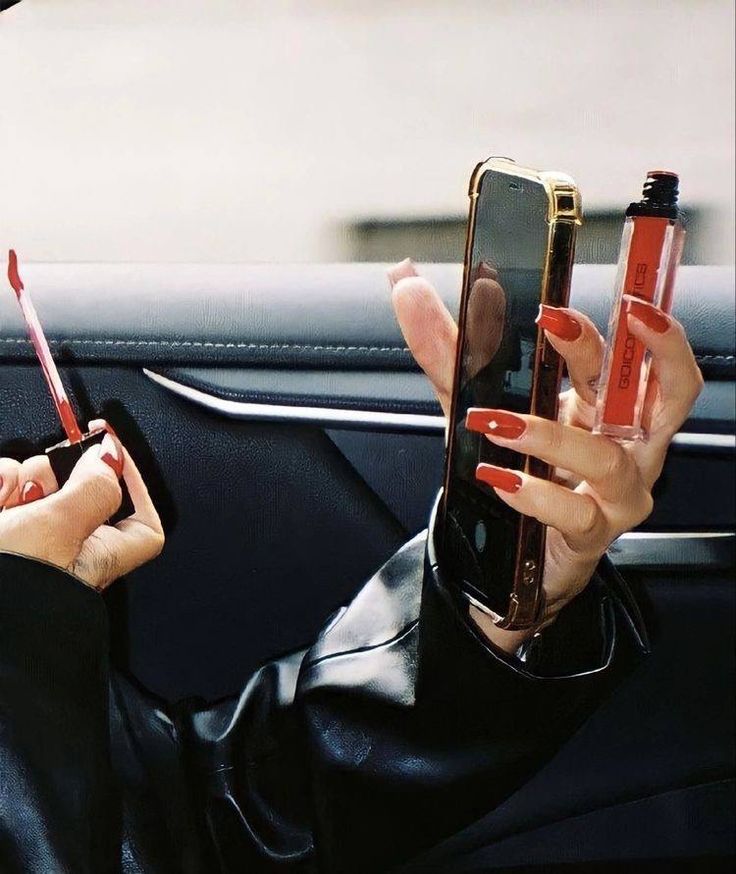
519 254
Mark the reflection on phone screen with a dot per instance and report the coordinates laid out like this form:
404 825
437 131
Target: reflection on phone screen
498 337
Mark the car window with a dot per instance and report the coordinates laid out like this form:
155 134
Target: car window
225 130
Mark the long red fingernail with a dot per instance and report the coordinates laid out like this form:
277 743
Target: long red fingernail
559 323
498 478
110 454
32 491
496 423
401 270
651 316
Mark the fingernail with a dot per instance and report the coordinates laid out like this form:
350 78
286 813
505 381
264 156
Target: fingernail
498 478
97 425
32 491
559 323
496 423
111 455
485 271
651 316
401 270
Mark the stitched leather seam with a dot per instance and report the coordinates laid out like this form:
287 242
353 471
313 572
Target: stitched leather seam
211 344
207 344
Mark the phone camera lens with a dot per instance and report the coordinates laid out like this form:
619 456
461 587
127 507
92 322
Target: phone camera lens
481 536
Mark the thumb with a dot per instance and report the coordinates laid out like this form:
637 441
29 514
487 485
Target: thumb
92 493
430 333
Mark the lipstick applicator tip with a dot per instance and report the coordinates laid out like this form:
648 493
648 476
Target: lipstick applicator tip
13 275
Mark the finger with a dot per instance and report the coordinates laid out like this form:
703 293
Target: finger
677 373
578 341
38 470
92 493
485 322
145 511
9 473
30 480
485 271
401 270
575 411
576 516
113 551
592 457
430 333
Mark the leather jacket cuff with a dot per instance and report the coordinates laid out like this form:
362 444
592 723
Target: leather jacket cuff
46 611
601 630
41 600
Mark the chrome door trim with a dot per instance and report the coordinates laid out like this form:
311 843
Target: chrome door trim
355 419
705 441
328 416
636 549
704 550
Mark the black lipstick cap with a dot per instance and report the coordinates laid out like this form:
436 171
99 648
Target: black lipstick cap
64 456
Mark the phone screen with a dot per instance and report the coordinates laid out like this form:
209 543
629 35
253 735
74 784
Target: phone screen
498 345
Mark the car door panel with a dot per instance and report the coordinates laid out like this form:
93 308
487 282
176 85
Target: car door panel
291 446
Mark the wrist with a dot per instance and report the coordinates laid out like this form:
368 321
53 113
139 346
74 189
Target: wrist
505 640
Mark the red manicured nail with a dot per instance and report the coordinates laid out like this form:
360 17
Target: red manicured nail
401 271
110 454
495 423
498 478
651 316
32 491
559 323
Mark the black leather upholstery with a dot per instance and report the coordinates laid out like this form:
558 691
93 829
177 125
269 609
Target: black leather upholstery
232 493
271 527
397 727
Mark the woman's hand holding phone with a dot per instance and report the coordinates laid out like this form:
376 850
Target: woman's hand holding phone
66 527
602 488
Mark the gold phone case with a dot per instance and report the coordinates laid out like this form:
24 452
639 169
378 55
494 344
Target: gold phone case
564 216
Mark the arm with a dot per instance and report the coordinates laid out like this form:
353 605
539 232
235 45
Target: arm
406 720
55 769
416 731
60 804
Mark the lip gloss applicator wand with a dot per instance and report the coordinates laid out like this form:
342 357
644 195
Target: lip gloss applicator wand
63 456
43 353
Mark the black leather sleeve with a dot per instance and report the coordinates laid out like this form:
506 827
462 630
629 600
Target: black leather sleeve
55 775
398 727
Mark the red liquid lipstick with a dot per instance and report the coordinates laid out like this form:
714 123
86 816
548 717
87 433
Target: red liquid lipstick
63 456
651 249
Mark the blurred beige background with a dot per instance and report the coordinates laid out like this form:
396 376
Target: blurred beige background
239 130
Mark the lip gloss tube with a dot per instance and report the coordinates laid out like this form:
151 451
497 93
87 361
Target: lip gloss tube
63 456
651 249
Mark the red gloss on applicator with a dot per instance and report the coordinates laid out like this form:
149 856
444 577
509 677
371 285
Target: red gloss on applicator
64 456
40 344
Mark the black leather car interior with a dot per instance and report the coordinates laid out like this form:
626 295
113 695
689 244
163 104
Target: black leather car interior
287 436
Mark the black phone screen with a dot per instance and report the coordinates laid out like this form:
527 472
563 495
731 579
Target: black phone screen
498 340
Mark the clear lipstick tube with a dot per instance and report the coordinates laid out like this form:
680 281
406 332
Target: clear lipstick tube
651 249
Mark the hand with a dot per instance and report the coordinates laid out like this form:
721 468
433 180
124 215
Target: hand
601 488
65 527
